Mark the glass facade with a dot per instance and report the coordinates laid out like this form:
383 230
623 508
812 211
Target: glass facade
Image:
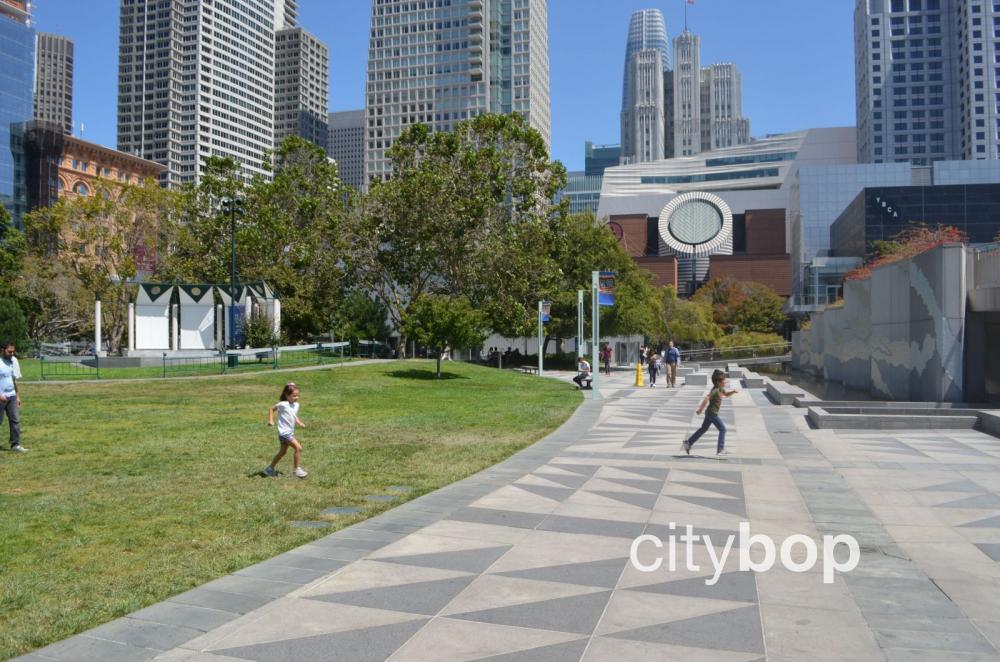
599 157
709 176
17 52
582 191
880 213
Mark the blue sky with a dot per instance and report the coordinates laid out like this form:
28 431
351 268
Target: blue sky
796 58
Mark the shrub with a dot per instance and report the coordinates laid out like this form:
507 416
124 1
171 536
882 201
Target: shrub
258 331
749 338
915 239
13 325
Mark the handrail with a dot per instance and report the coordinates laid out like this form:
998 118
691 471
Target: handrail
745 351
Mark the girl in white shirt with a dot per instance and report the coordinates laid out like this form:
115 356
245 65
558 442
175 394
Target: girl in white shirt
288 418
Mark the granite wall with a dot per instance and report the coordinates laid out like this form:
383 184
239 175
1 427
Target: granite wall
899 334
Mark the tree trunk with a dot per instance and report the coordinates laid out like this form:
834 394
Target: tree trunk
439 363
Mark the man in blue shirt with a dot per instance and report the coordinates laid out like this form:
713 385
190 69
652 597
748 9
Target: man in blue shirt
10 398
672 357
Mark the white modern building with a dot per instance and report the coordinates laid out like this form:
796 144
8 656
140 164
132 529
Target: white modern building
926 85
439 63
302 86
647 58
197 79
54 80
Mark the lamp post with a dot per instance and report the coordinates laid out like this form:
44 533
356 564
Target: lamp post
233 207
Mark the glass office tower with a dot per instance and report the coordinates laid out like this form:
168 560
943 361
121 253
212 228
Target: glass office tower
17 52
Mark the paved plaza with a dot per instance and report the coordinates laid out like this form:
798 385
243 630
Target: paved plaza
529 560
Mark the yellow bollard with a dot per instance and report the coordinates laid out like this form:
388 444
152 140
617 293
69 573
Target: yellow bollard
638 374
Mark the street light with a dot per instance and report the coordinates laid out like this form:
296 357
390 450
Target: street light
233 207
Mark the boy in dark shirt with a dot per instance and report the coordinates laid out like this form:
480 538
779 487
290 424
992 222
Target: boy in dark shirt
713 402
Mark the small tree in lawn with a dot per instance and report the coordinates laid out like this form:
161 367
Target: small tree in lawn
440 322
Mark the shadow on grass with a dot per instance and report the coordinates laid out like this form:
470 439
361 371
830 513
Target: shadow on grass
423 374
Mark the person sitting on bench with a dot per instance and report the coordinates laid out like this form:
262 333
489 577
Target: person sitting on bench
583 372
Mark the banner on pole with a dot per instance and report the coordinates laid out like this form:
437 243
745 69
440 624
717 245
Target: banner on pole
546 311
606 288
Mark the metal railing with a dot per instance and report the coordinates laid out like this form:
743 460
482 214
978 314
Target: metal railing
70 367
191 366
711 354
987 266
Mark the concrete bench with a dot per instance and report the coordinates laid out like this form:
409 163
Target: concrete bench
989 422
529 369
783 393
752 380
585 384
886 418
684 371
734 371
696 379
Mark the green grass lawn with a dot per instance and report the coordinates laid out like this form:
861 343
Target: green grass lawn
134 492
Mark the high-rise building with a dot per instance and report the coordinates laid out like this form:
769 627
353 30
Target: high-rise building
926 88
444 62
704 105
598 157
684 89
722 121
301 86
196 79
642 115
54 80
17 53
346 145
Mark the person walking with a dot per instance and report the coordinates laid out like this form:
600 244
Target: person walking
711 404
288 417
10 394
654 367
672 358
583 371
606 358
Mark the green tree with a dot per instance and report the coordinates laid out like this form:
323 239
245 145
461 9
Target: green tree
441 322
362 318
12 251
583 246
55 302
289 233
688 321
760 310
100 237
13 326
466 213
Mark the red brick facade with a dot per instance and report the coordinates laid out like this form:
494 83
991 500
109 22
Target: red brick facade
775 271
664 269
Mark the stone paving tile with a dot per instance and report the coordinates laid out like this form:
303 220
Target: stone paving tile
528 560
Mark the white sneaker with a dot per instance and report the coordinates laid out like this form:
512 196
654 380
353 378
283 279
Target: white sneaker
18 448
300 472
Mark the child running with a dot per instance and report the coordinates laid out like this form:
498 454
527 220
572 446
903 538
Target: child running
288 418
714 402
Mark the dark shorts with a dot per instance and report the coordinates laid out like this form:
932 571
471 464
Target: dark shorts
286 439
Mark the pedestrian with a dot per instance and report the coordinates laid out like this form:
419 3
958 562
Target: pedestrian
10 394
583 371
288 417
606 356
711 404
673 361
654 367
642 354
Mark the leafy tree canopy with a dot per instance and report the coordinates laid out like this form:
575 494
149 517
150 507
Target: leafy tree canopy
440 322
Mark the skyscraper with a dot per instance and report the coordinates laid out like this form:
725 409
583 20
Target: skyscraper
642 114
704 105
54 80
196 79
442 62
926 81
346 145
301 85
17 53
685 93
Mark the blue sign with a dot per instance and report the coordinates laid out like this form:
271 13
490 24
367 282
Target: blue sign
606 288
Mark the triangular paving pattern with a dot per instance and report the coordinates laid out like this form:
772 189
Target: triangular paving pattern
554 493
729 476
364 645
573 481
578 614
990 549
603 573
569 652
984 501
988 523
726 489
955 486
739 586
647 485
640 500
731 506
465 560
647 472
736 630
427 598
581 469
